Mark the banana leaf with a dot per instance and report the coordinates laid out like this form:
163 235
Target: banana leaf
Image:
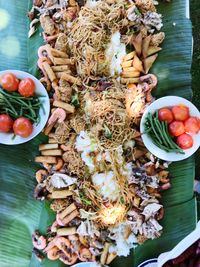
20 213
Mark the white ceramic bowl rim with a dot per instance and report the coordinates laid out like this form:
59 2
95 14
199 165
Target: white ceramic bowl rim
6 138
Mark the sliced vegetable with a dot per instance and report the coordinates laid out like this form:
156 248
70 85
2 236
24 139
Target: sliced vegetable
6 123
27 87
22 127
192 125
9 82
176 128
165 114
181 113
185 141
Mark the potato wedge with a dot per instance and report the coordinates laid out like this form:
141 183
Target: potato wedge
51 152
129 56
130 74
145 45
60 194
137 64
67 107
137 42
66 231
48 146
46 159
148 62
153 49
127 64
129 80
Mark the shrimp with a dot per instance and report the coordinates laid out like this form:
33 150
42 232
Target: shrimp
64 244
50 38
151 79
86 255
53 253
58 165
38 241
58 115
40 174
43 51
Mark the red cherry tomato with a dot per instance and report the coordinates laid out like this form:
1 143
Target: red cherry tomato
27 87
192 125
165 114
6 123
22 127
185 141
181 113
9 82
176 128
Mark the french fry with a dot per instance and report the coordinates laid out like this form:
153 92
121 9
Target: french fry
137 42
66 231
148 62
52 141
145 45
60 194
51 152
48 146
137 64
130 74
70 217
49 71
67 107
60 73
129 80
127 64
63 61
60 68
46 159
129 56
153 49
71 79
111 257
58 53
104 253
67 211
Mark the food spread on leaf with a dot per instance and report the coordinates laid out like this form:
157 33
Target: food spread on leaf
19 106
103 184
171 128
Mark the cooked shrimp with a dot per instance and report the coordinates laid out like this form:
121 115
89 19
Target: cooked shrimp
69 260
64 244
85 255
58 115
53 253
151 79
38 241
40 174
50 38
42 51
58 165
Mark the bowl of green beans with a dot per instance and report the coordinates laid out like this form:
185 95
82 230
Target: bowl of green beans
156 135
35 108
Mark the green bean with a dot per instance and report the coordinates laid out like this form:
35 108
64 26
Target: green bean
152 125
159 128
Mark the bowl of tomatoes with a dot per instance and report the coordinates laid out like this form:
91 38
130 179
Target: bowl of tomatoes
170 128
24 107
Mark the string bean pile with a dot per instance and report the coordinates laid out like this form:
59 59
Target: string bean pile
17 106
158 131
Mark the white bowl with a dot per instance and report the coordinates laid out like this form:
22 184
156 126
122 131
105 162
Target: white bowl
86 264
7 138
149 263
165 102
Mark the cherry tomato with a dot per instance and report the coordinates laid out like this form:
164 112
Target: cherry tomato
27 87
9 82
176 128
165 114
6 123
192 125
181 113
184 141
22 127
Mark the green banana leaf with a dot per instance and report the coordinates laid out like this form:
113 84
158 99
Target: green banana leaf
20 213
